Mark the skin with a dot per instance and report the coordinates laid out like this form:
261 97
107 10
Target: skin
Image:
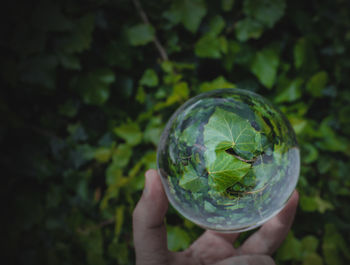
211 248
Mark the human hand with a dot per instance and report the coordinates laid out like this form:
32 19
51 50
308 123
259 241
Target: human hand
211 248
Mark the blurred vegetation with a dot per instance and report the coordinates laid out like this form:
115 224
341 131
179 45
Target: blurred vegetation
87 87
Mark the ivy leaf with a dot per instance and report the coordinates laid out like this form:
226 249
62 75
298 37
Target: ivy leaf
190 180
315 203
304 55
122 155
291 249
226 130
178 239
103 154
69 61
210 46
149 78
189 12
80 38
312 259
225 170
130 132
140 34
265 66
267 12
190 134
291 91
217 24
153 131
217 83
317 83
333 246
94 86
248 29
226 5
310 244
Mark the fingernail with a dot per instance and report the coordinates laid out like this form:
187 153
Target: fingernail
147 183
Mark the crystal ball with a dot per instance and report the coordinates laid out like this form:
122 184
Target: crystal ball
228 160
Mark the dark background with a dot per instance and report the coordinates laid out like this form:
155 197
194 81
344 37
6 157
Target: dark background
87 86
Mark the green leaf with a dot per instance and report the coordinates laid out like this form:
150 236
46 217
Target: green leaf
298 125
217 24
178 239
103 154
149 78
291 91
218 83
331 141
130 132
209 46
69 61
113 175
333 246
267 12
317 83
80 38
190 134
93 245
304 55
265 66
323 205
140 95
189 12
190 180
153 130
310 153
94 86
248 29
309 244
314 203
122 155
225 170
291 249
180 93
226 130
226 5
140 34
312 259
119 220
209 207
308 204
233 49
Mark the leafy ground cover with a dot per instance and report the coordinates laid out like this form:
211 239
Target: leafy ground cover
87 88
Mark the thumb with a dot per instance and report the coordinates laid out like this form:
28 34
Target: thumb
148 222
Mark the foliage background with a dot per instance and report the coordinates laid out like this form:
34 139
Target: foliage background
87 87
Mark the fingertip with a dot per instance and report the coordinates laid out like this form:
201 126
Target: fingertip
291 204
153 203
296 195
151 173
153 185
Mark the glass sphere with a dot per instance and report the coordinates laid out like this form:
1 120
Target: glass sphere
228 160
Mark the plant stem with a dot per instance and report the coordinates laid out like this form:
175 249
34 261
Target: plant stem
143 15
